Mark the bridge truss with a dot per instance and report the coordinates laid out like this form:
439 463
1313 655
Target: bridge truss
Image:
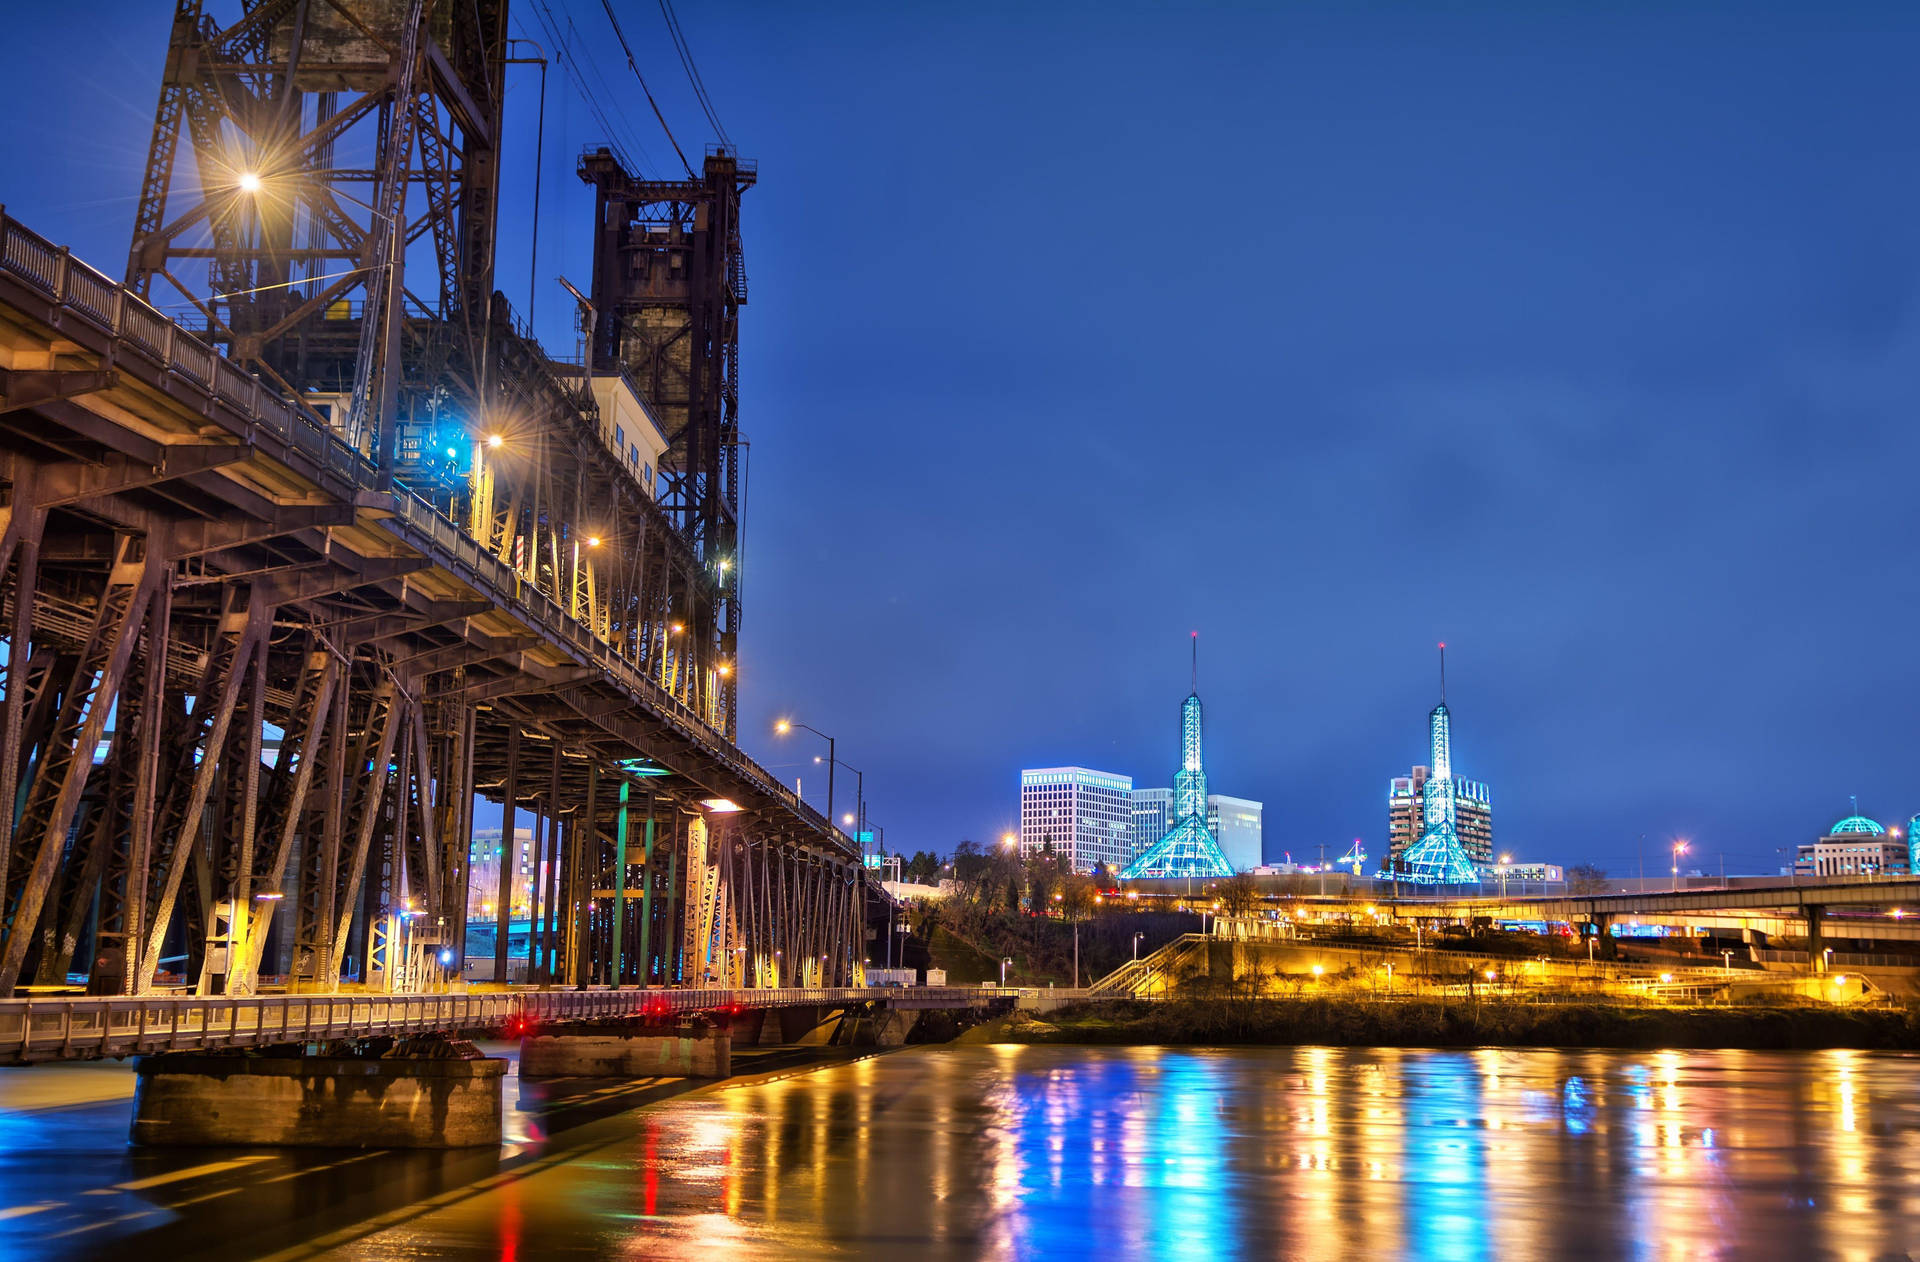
287 590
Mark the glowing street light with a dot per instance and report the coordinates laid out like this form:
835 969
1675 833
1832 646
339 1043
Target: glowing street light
782 727
1008 841
1679 848
495 440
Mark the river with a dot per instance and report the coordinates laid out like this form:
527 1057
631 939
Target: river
1014 1152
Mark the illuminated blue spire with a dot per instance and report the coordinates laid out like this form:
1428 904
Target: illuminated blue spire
1189 848
1437 858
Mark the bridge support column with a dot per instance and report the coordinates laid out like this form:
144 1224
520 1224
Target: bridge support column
202 1100
1816 939
639 1051
1605 946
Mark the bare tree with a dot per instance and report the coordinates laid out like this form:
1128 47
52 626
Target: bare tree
1585 878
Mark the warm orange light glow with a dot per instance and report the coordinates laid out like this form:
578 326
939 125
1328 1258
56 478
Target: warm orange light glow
1009 841
494 440
725 670
249 182
782 727
593 541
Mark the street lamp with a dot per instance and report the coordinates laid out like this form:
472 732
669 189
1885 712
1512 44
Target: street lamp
784 726
859 817
1505 859
1005 963
1679 848
1136 946
1008 841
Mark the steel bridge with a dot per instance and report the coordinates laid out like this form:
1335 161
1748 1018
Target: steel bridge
286 592
191 562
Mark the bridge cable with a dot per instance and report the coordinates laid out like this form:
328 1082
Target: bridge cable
559 35
635 67
693 71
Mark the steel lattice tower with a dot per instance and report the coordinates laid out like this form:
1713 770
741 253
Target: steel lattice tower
1189 848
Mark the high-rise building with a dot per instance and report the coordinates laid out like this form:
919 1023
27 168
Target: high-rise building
1436 857
1235 824
1086 815
1189 847
1152 817
1472 807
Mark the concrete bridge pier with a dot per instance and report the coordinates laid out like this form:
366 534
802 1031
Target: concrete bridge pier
1816 938
694 1049
1606 946
439 1095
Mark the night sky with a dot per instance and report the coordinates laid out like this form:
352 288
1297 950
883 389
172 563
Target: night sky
1585 342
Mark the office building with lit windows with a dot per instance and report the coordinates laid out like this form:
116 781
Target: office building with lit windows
483 873
1473 815
1086 815
1235 824
1152 817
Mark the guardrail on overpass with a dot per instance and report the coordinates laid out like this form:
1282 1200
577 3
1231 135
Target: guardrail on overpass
91 1027
1825 893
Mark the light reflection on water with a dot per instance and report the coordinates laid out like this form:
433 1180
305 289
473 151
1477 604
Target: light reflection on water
1302 1152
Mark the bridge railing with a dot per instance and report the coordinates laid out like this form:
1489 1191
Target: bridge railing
76 1027
280 429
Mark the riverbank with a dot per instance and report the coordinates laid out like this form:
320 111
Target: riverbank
1456 1023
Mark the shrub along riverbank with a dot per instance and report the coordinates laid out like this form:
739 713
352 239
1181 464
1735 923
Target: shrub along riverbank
1457 1023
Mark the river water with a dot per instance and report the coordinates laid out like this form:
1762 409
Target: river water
1015 1152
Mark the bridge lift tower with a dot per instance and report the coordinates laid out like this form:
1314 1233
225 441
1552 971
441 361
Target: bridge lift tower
669 279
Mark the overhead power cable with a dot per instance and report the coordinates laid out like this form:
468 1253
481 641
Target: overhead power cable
613 124
693 71
635 67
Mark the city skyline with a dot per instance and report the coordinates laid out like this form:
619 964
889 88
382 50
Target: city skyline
1571 379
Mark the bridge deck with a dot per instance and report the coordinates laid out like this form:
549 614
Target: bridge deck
81 1028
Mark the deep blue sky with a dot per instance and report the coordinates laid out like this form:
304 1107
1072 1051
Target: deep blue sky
1584 341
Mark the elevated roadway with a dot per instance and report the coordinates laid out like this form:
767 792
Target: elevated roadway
1864 894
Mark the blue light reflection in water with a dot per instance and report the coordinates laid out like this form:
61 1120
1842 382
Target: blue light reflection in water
1315 1153
1136 1143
